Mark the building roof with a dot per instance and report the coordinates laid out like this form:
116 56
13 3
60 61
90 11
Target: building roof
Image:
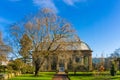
79 45
84 46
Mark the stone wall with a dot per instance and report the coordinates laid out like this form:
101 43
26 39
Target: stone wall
9 75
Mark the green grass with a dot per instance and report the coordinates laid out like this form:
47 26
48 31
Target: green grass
78 76
93 76
81 76
42 76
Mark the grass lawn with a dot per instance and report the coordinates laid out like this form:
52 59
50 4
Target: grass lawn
42 76
93 76
78 76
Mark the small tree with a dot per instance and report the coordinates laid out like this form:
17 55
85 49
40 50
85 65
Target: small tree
16 65
4 49
26 46
113 68
115 54
2 52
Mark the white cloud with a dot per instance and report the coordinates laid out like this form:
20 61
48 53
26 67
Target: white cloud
72 2
46 4
51 3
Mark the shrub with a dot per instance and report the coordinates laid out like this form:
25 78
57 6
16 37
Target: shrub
16 64
113 69
19 65
101 68
30 70
66 71
57 71
2 68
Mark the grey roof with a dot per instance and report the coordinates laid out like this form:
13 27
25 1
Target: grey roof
84 46
80 45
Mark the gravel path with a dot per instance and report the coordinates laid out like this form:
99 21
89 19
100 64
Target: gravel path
61 76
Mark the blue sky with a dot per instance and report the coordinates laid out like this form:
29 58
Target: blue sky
97 22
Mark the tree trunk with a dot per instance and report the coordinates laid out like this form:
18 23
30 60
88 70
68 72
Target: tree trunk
38 65
36 69
75 72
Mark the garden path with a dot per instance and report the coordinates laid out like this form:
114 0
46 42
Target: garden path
61 76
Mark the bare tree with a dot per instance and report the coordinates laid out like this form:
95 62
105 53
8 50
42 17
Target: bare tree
115 54
4 49
47 32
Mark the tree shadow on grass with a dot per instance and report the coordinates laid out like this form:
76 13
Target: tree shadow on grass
41 76
115 78
80 74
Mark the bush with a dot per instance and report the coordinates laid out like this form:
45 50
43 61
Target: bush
16 64
81 68
113 69
2 68
27 69
57 71
9 69
66 71
19 65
